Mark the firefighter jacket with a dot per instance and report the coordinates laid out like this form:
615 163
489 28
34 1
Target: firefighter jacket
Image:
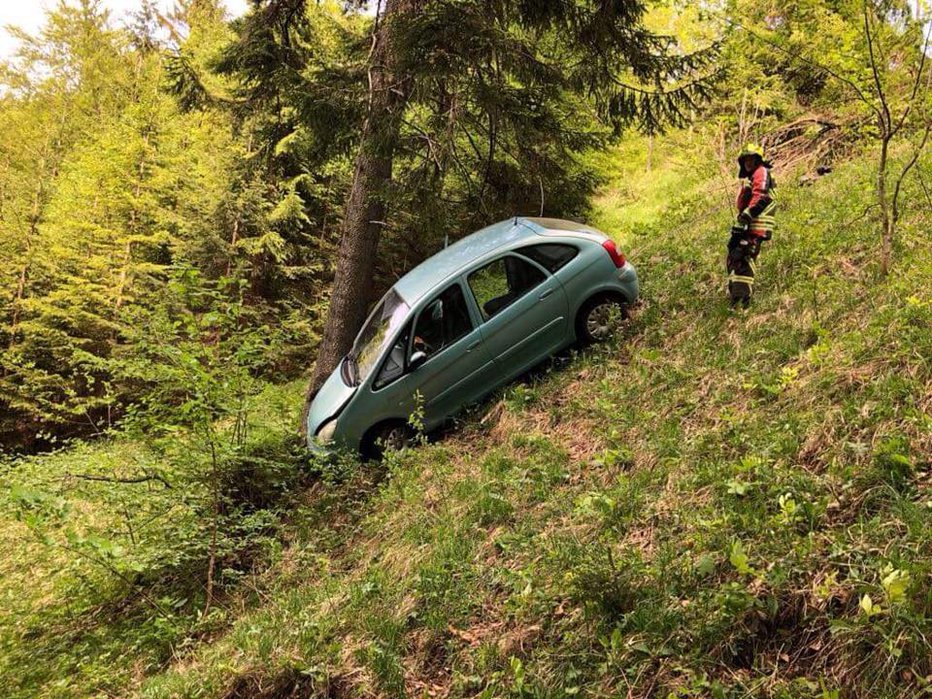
756 198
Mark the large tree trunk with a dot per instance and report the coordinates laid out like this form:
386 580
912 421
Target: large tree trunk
365 209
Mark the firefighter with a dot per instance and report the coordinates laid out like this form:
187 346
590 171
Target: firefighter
754 224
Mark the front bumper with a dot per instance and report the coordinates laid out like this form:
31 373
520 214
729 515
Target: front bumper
318 449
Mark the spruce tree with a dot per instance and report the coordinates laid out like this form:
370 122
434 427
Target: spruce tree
514 65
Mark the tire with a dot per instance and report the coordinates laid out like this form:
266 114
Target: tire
386 437
599 318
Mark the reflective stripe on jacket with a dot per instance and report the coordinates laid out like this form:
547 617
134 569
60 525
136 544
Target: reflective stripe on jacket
756 197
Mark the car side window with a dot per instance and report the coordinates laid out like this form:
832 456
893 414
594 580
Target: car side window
442 322
502 282
550 256
394 364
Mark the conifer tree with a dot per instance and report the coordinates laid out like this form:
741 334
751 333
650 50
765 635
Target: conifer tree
58 86
517 62
136 188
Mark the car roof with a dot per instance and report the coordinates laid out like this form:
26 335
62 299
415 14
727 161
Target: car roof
452 260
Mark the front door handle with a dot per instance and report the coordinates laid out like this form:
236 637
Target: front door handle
474 345
545 294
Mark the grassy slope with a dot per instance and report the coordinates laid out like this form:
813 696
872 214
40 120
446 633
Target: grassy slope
68 626
698 509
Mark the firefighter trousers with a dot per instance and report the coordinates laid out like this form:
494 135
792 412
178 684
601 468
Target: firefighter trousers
741 265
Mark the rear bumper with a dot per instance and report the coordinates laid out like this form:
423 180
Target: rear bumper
628 279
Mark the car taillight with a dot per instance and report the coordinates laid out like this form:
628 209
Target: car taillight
617 256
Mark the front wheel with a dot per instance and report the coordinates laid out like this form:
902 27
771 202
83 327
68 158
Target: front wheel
385 438
599 319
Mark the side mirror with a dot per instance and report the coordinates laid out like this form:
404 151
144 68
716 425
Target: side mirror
417 359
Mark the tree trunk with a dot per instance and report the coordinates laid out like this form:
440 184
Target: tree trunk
365 208
886 238
233 240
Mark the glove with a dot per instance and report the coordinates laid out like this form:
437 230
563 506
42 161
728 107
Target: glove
744 219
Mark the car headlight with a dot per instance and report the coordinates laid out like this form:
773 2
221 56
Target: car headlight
325 433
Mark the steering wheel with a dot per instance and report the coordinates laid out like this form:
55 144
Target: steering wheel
420 345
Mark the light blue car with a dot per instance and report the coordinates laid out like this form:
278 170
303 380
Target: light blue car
467 320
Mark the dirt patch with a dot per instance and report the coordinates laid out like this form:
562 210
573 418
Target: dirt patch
793 641
427 666
289 683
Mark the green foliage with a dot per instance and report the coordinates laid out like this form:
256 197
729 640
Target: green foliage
711 505
210 472
227 148
114 188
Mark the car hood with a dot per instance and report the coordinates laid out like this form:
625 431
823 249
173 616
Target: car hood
329 401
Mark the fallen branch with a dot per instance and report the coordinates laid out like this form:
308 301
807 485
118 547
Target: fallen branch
113 479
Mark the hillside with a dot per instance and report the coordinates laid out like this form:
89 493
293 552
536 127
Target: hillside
718 504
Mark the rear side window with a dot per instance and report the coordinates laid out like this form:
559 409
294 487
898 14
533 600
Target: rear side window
550 256
502 282
442 322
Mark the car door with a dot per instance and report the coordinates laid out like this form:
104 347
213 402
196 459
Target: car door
447 362
524 312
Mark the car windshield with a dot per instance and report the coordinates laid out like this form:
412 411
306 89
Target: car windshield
378 330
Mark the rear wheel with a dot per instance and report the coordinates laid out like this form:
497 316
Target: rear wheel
600 318
385 438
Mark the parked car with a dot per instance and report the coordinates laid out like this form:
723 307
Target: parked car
467 320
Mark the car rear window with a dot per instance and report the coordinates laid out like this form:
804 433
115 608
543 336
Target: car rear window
550 256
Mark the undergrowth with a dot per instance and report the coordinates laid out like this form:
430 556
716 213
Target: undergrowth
715 504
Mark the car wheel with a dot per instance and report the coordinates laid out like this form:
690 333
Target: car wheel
599 319
385 438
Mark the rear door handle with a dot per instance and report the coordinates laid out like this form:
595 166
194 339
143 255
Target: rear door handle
474 345
545 294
